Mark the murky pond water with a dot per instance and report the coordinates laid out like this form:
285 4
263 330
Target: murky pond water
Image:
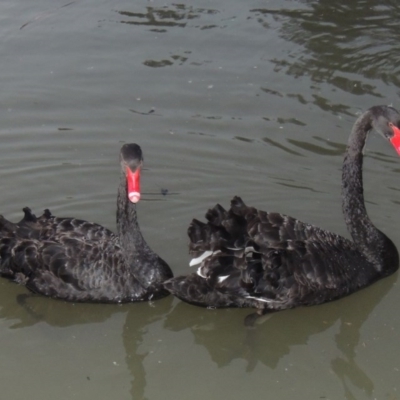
254 98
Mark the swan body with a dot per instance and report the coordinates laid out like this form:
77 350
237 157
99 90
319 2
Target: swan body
80 261
271 262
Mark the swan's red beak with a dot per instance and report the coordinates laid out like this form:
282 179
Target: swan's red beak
133 180
395 140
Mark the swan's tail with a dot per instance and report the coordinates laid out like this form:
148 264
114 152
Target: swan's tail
6 227
220 249
224 229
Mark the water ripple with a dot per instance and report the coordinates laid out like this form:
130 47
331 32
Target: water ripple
340 38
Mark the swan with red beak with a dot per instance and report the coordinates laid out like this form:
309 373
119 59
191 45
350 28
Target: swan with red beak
80 261
270 261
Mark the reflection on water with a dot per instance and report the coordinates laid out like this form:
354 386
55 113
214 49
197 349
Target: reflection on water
281 147
161 18
341 37
26 310
135 328
221 333
229 98
46 14
338 151
175 15
275 337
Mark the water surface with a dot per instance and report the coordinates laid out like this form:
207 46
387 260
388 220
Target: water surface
250 98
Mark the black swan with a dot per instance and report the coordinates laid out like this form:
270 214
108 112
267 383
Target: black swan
79 261
272 262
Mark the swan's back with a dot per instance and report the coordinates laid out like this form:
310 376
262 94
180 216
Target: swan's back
49 227
68 259
251 258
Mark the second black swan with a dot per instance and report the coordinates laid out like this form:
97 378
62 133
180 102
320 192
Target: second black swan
79 261
269 261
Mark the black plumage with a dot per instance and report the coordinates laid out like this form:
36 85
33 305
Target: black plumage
80 261
270 261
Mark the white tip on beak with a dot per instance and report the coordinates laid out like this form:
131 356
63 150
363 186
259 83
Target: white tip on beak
134 197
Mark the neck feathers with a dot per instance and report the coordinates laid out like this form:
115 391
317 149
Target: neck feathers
149 269
376 247
130 237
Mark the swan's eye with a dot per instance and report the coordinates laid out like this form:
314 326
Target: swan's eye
391 126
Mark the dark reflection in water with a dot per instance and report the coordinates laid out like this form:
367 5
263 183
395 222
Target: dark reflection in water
297 186
338 150
270 341
336 37
221 332
175 15
159 19
340 46
281 147
135 329
32 309
27 309
291 121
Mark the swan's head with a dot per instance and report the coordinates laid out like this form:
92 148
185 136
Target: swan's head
131 158
386 121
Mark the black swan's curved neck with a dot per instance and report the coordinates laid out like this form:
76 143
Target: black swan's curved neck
132 243
375 245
